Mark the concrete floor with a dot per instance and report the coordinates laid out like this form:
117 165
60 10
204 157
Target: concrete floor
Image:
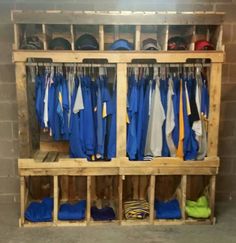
223 231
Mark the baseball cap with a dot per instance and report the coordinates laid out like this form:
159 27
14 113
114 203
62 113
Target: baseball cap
203 45
32 43
151 44
59 43
86 42
121 44
177 43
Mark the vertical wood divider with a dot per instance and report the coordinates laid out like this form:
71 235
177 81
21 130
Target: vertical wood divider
88 206
152 197
212 197
16 45
121 109
166 38
22 200
72 37
137 37
24 135
120 199
44 37
214 111
183 195
101 37
55 199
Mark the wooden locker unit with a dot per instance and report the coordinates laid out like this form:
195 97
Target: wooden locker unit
147 178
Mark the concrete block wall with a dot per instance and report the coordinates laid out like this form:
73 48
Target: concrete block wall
9 183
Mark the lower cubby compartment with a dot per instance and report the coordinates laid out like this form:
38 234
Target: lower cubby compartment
136 198
103 199
200 197
37 201
72 201
169 199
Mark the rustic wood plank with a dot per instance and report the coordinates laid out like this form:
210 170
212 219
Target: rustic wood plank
152 198
55 199
183 195
72 37
88 205
45 44
16 37
212 191
22 200
137 37
214 112
101 37
119 57
119 18
168 222
54 146
120 201
121 109
166 38
24 136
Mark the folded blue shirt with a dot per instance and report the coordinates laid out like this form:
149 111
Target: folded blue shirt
70 211
167 210
105 213
40 211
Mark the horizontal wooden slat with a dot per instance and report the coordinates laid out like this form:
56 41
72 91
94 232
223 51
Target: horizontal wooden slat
116 17
119 56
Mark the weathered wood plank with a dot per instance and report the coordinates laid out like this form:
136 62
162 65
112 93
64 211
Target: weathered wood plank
24 136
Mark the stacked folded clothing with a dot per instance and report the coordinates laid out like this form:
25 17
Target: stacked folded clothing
136 209
199 208
105 213
40 211
70 211
167 210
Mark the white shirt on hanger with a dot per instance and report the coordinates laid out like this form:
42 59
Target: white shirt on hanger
79 104
170 119
154 135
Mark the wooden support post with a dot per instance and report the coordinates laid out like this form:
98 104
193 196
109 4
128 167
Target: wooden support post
72 37
166 38
121 109
183 195
88 206
22 200
212 197
120 199
152 197
214 114
137 37
219 45
101 37
25 145
45 47
192 45
55 199
16 45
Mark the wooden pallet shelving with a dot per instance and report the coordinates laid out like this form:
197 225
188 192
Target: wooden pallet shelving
51 158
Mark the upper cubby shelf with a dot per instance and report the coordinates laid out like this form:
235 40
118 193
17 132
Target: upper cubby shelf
146 32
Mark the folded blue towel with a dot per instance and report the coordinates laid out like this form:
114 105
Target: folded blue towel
40 211
70 211
167 210
105 213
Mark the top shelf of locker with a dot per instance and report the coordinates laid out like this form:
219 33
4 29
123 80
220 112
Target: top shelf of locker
117 17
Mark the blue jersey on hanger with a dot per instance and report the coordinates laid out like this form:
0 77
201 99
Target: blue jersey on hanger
39 98
140 114
190 143
204 98
176 97
132 114
77 149
89 135
163 90
111 146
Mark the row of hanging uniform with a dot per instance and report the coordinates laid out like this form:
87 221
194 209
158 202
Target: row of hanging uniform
76 107
166 116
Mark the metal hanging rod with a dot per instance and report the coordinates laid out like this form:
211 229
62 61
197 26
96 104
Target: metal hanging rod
170 65
31 64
